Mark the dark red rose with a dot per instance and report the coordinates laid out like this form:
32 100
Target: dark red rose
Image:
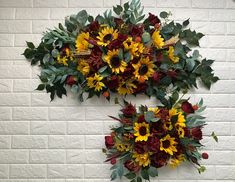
186 132
112 83
113 161
205 155
115 44
71 80
128 72
118 21
159 159
187 107
196 133
109 142
140 147
141 87
171 73
94 26
132 166
157 128
153 19
153 144
136 31
129 110
141 119
157 76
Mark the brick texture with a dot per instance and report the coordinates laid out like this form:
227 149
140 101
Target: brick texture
61 141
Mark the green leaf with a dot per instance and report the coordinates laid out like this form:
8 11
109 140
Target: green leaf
144 174
133 180
214 136
101 70
30 45
118 9
186 23
113 175
90 19
116 101
153 172
46 58
149 116
55 53
130 175
82 17
146 37
139 179
126 6
164 14
40 87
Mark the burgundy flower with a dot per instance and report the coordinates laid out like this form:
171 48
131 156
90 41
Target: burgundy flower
153 144
141 87
94 26
113 161
153 19
159 159
157 76
171 73
71 80
129 110
136 31
196 133
205 155
141 119
187 107
132 166
140 147
113 82
118 21
109 142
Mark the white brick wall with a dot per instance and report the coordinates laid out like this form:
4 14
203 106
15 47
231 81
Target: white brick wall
61 141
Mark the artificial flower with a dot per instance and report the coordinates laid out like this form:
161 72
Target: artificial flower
158 41
205 155
71 80
109 142
129 110
82 43
187 107
126 87
83 66
107 35
171 55
176 160
143 69
95 82
168 144
142 159
122 146
153 19
141 131
115 62
132 166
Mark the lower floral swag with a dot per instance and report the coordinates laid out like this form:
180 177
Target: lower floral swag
155 137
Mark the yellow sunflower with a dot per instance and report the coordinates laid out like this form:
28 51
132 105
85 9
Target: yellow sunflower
69 54
122 147
141 131
171 55
180 131
155 110
168 125
143 69
158 41
115 63
181 120
129 44
62 60
126 87
106 36
95 82
82 43
167 144
142 159
83 67
176 160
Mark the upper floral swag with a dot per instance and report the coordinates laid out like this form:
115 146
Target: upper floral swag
125 54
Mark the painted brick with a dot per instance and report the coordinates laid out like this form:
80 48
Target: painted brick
20 39
14 128
35 13
75 156
65 171
16 3
27 171
7 13
47 128
66 142
6 40
23 113
5 113
208 4
13 157
66 113
97 171
14 99
4 173
5 142
47 156
15 26
29 142
172 3
50 3
87 4
90 127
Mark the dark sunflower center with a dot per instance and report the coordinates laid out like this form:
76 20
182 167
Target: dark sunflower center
143 69
115 62
166 144
107 37
142 131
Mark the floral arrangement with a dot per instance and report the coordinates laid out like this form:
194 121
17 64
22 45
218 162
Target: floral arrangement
151 138
124 54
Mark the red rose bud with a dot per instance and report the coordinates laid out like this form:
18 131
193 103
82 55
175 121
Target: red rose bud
132 166
196 133
187 107
129 110
71 80
205 155
113 161
157 76
109 142
153 19
195 107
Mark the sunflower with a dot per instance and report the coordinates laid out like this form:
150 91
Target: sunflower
135 48
143 69
115 63
171 55
62 60
141 131
176 160
126 87
168 125
95 82
69 54
181 120
122 147
167 144
180 131
82 43
155 110
106 36
158 41
83 67
142 159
